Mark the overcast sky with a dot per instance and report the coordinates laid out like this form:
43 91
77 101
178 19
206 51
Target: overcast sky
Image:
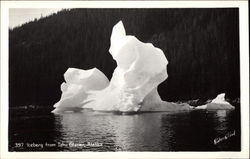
19 16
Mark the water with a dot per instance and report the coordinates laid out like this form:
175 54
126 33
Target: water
98 131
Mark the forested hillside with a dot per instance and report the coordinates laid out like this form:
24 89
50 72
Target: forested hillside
201 45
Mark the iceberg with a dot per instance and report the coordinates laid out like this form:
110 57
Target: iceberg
141 67
79 83
218 103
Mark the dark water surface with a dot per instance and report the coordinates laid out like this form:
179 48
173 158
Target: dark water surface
196 130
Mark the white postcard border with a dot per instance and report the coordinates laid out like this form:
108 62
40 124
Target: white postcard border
244 79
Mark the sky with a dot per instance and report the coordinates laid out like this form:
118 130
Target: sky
19 16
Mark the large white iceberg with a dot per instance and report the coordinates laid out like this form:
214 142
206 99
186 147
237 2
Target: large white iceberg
218 103
141 67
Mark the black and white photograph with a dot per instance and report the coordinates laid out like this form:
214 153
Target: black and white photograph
125 79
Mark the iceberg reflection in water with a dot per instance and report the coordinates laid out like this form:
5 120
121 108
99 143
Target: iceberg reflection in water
195 130
161 131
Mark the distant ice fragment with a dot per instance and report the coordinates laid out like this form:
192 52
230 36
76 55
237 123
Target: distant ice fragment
201 107
220 99
218 103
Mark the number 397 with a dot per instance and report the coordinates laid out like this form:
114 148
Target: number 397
18 144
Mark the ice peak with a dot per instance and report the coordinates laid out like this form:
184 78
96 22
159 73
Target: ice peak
118 30
117 38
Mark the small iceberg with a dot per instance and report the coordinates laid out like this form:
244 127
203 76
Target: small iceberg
218 103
